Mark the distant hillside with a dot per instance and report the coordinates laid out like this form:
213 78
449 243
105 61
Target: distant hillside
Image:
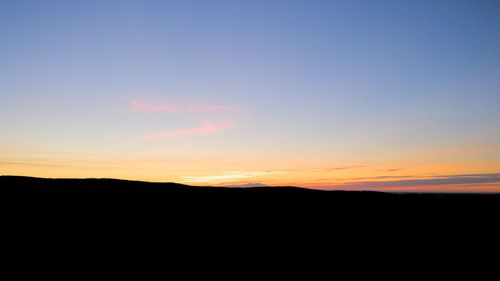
110 201
26 186
18 184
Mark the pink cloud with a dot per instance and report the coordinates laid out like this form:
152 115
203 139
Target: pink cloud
138 106
204 129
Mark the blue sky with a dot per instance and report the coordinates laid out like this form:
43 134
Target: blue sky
329 82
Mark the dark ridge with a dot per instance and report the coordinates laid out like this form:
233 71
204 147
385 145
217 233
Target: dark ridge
23 194
16 184
22 184
33 206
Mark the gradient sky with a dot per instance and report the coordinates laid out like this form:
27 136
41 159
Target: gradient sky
380 95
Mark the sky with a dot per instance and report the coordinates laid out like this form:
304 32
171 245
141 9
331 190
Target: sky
354 95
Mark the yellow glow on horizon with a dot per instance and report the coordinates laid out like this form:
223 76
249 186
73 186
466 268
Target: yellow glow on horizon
211 169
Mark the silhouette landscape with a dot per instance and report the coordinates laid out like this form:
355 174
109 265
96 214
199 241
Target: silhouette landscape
313 108
113 192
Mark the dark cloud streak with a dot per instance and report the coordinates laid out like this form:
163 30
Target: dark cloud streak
346 167
388 170
434 181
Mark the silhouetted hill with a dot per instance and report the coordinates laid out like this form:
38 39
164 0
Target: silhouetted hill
173 194
33 205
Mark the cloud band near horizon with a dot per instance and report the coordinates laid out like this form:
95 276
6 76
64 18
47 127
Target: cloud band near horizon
443 180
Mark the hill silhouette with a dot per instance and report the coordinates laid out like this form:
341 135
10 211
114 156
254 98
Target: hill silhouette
59 191
191 211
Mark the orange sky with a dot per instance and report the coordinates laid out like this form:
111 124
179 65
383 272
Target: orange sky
478 167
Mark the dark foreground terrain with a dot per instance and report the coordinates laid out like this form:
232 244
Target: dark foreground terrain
118 212
95 194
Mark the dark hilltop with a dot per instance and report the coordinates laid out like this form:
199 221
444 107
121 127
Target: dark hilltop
113 192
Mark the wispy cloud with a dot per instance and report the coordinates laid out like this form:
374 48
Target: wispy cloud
56 165
203 129
445 180
346 167
469 175
35 164
381 178
226 176
388 170
202 111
